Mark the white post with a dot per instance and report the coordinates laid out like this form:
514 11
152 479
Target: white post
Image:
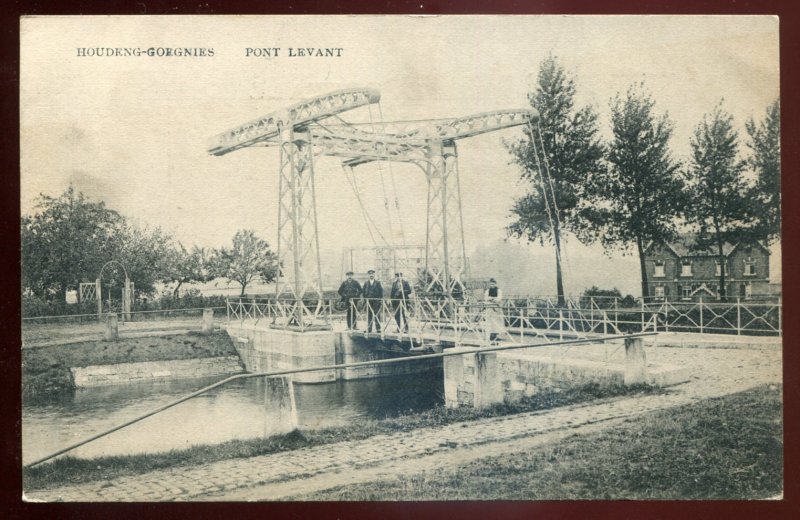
486 386
635 362
208 321
112 327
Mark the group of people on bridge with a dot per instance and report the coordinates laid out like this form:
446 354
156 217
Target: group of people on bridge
372 293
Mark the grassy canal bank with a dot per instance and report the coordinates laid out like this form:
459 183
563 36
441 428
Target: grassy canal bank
69 470
46 370
724 448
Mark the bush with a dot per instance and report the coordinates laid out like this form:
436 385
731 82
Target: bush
35 306
606 298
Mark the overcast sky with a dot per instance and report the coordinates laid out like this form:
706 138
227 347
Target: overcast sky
132 130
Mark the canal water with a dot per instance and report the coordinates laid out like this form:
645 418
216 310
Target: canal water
239 410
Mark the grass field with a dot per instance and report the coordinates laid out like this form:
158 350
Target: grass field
723 448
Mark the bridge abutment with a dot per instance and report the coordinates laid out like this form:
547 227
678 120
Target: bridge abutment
264 349
483 379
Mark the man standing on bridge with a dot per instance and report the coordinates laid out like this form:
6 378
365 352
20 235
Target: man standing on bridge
373 293
401 290
348 290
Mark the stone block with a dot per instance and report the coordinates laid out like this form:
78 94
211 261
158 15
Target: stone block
635 362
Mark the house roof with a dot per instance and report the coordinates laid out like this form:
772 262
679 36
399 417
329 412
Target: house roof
686 245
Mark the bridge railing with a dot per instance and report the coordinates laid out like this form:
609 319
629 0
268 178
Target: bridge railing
287 313
456 319
740 316
480 322
757 317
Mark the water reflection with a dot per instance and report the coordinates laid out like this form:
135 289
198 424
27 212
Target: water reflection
239 410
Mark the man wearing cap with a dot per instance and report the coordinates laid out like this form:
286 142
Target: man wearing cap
348 290
401 290
373 293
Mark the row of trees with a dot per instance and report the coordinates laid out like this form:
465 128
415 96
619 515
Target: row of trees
69 238
631 190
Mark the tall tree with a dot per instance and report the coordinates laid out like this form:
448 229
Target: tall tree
66 241
249 259
145 252
720 202
573 152
70 237
186 266
640 196
765 160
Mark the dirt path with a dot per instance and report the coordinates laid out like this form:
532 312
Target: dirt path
47 335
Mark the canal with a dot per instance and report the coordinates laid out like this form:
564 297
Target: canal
238 410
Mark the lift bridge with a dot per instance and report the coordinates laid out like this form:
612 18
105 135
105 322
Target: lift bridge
313 128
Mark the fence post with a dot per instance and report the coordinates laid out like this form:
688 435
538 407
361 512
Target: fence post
99 295
642 314
560 324
591 312
701 315
739 316
665 306
780 315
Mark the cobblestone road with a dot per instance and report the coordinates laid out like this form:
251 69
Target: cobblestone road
716 372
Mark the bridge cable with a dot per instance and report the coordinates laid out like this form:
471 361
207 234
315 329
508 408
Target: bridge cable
367 218
383 183
553 197
540 171
394 185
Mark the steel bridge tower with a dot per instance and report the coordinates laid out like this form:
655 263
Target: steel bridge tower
299 134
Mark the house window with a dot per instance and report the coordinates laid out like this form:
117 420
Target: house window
750 266
686 268
660 291
686 292
748 291
659 269
718 270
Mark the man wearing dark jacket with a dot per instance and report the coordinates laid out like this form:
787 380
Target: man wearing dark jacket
373 293
401 290
347 291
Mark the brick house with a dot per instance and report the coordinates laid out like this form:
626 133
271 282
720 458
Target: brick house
679 270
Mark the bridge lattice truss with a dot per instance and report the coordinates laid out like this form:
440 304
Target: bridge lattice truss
313 128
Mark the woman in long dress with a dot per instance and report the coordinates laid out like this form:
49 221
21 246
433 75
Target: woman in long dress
494 323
